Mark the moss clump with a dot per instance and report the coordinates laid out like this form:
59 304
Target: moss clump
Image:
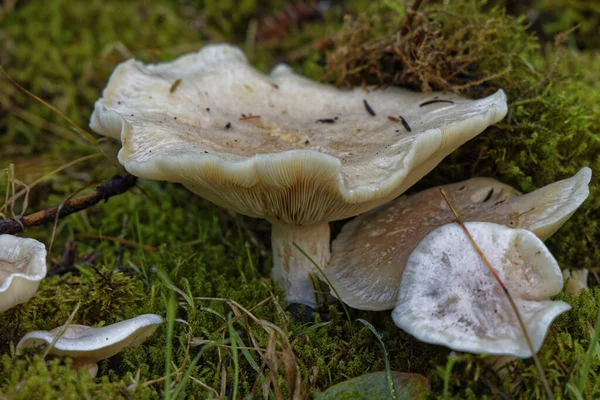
217 262
553 123
456 48
76 47
106 296
36 378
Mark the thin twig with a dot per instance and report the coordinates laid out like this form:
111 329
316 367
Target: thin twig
506 293
126 242
119 263
410 17
116 185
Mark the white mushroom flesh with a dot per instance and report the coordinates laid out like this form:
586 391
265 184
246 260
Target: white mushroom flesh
369 255
280 146
22 267
449 297
87 345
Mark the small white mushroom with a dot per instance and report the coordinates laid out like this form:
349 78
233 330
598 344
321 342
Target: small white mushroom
448 296
22 267
86 345
576 280
369 255
280 146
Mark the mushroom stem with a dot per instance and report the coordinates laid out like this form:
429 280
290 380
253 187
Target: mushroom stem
291 269
85 364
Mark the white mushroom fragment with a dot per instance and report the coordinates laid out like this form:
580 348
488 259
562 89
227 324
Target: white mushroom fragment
280 146
448 296
369 254
22 267
576 280
86 345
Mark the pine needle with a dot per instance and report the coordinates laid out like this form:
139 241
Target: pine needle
506 293
62 330
82 131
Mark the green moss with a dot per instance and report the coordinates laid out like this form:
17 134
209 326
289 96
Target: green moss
76 47
562 356
106 296
552 127
550 17
35 378
65 50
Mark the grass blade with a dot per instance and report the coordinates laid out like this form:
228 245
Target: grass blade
589 355
171 311
388 368
447 372
186 376
233 335
326 279
62 330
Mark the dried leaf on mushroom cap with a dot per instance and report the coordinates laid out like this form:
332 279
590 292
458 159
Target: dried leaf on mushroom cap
87 345
22 267
369 255
282 147
448 296
230 133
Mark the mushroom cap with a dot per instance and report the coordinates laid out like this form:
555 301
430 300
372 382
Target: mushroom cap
448 296
369 255
279 146
576 280
89 345
22 267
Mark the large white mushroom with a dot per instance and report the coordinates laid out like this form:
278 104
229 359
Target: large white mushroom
448 296
87 345
370 253
280 146
22 267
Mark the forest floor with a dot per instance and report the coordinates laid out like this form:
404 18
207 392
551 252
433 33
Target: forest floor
228 334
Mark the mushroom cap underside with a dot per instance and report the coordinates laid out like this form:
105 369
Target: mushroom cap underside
22 267
94 344
280 146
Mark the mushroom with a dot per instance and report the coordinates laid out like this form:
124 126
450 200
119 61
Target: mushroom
448 296
576 280
22 267
369 254
86 345
281 147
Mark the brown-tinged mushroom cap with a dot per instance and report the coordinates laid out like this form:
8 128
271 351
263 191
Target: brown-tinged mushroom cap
87 345
280 146
448 296
22 267
576 280
369 255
